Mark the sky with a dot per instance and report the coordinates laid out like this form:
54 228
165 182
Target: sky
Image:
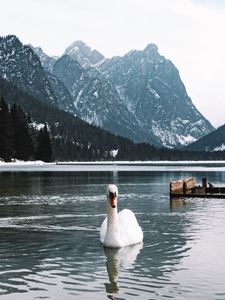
188 32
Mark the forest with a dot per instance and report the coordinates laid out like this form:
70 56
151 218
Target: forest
18 140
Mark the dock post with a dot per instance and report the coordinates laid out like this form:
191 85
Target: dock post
170 190
184 187
204 182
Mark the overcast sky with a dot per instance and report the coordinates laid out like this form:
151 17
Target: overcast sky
191 33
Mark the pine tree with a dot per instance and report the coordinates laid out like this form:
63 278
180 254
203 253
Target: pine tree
44 147
23 142
6 133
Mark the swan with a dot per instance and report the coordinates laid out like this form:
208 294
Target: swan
119 229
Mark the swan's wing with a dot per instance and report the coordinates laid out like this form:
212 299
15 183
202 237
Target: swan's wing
103 230
127 219
131 231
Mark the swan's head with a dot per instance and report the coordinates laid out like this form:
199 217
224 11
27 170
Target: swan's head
112 194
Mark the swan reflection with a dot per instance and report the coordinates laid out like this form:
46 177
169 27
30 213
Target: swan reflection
117 257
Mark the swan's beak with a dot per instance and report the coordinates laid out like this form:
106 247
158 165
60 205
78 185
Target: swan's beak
113 199
113 202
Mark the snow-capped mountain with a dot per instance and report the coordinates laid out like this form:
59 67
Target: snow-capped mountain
150 87
139 95
82 53
96 100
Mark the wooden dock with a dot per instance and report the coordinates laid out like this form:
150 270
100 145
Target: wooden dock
187 188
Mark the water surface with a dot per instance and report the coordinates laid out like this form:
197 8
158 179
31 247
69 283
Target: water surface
49 238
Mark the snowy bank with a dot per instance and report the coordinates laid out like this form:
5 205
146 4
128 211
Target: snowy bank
114 166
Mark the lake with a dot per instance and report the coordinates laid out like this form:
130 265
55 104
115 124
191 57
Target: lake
49 235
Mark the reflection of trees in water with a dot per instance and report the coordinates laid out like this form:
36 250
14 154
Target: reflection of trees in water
25 183
21 183
35 188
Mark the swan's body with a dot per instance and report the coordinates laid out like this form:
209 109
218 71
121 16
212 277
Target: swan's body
119 229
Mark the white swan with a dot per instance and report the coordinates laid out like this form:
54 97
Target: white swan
119 230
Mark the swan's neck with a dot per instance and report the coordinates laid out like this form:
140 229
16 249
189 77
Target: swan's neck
112 237
112 219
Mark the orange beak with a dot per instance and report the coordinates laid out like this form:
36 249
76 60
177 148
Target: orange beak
113 200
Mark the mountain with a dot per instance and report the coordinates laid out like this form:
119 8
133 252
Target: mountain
64 98
74 139
214 141
139 96
47 61
62 88
96 100
141 91
20 65
83 54
151 88
68 71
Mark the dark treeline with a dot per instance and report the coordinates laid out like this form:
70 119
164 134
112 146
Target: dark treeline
210 141
69 137
16 140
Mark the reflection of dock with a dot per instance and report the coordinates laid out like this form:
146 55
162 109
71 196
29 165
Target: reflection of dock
188 188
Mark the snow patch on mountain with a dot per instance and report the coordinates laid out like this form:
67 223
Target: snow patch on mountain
219 148
171 137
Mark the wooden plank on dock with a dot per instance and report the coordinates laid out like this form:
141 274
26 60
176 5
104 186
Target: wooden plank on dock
182 186
187 188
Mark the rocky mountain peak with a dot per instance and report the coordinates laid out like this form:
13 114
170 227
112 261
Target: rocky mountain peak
82 53
153 48
151 52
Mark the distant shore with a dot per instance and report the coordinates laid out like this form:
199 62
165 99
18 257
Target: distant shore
112 166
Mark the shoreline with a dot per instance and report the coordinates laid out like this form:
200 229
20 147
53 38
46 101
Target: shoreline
114 166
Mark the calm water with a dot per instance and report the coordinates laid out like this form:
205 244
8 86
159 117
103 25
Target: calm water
49 238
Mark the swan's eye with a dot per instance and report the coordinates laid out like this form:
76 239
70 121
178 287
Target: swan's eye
112 195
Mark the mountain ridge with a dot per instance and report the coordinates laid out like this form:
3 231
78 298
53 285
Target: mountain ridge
139 95
144 76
